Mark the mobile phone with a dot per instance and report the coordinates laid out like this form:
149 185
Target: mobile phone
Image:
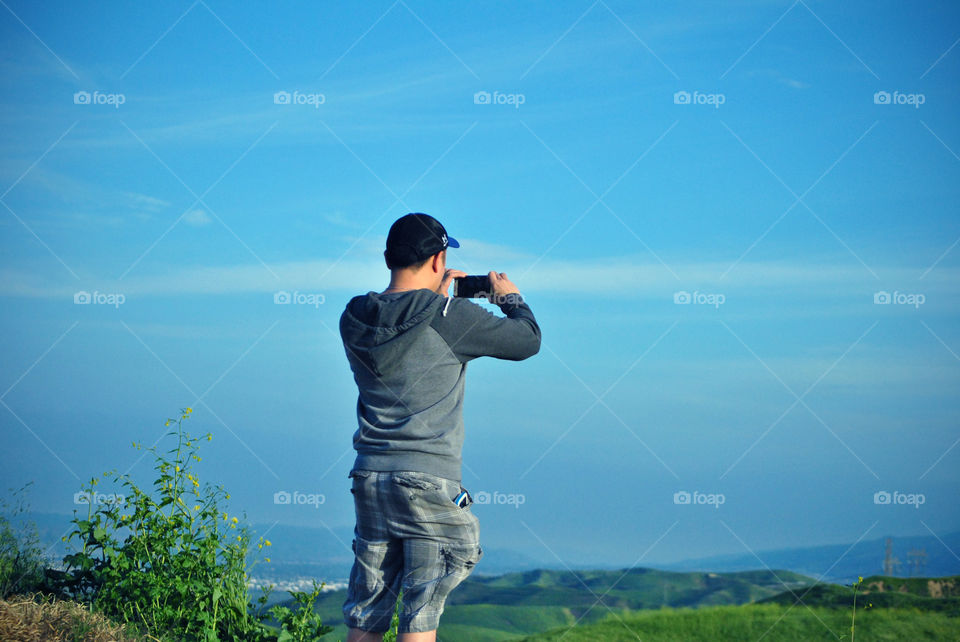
472 287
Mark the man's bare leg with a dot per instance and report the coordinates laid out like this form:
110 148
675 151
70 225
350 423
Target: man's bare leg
425 636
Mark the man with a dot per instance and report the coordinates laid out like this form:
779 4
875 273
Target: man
408 348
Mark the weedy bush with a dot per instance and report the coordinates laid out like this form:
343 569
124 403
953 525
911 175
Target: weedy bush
21 561
305 624
171 562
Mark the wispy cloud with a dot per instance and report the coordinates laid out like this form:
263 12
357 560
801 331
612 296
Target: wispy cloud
620 277
197 218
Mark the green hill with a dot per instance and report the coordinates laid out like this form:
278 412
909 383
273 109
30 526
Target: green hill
902 609
771 622
941 594
508 606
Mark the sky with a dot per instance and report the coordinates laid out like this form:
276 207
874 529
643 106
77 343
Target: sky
736 224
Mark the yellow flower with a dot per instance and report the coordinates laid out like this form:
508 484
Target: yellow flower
228 495
197 507
234 520
168 423
267 559
859 579
178 469
268 543
209 436
189 410
238 538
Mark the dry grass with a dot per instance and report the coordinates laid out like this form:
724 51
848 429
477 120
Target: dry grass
35 618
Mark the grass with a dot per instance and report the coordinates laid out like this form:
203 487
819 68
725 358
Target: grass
39 617
771 622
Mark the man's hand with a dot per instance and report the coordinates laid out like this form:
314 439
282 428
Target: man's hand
448 276
501 285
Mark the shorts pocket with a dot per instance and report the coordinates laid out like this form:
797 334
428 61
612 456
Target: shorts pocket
417 481
372 562
462 558
358 477
459 562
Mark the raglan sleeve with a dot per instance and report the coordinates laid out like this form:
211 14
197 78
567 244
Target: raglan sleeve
472 331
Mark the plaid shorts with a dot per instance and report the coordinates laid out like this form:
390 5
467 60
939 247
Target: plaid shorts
409 535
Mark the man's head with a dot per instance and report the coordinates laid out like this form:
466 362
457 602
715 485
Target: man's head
415 238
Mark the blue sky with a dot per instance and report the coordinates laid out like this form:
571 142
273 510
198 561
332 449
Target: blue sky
778 165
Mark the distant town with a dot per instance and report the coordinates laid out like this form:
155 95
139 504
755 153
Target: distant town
304 584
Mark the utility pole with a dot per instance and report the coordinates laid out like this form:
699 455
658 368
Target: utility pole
917 561
891 565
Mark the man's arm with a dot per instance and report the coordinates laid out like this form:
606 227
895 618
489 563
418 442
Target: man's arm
472 331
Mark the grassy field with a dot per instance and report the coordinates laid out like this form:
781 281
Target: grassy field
771 622
509 606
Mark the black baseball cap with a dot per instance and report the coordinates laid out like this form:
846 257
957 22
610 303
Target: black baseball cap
414 237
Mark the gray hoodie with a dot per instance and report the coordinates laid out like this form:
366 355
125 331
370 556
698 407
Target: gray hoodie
409 351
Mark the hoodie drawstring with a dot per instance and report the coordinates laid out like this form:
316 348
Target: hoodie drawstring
449 299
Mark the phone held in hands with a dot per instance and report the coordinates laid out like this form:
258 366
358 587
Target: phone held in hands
472 287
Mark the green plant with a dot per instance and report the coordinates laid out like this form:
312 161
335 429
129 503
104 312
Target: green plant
391 634
21 562
303 625
853 617
170 562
